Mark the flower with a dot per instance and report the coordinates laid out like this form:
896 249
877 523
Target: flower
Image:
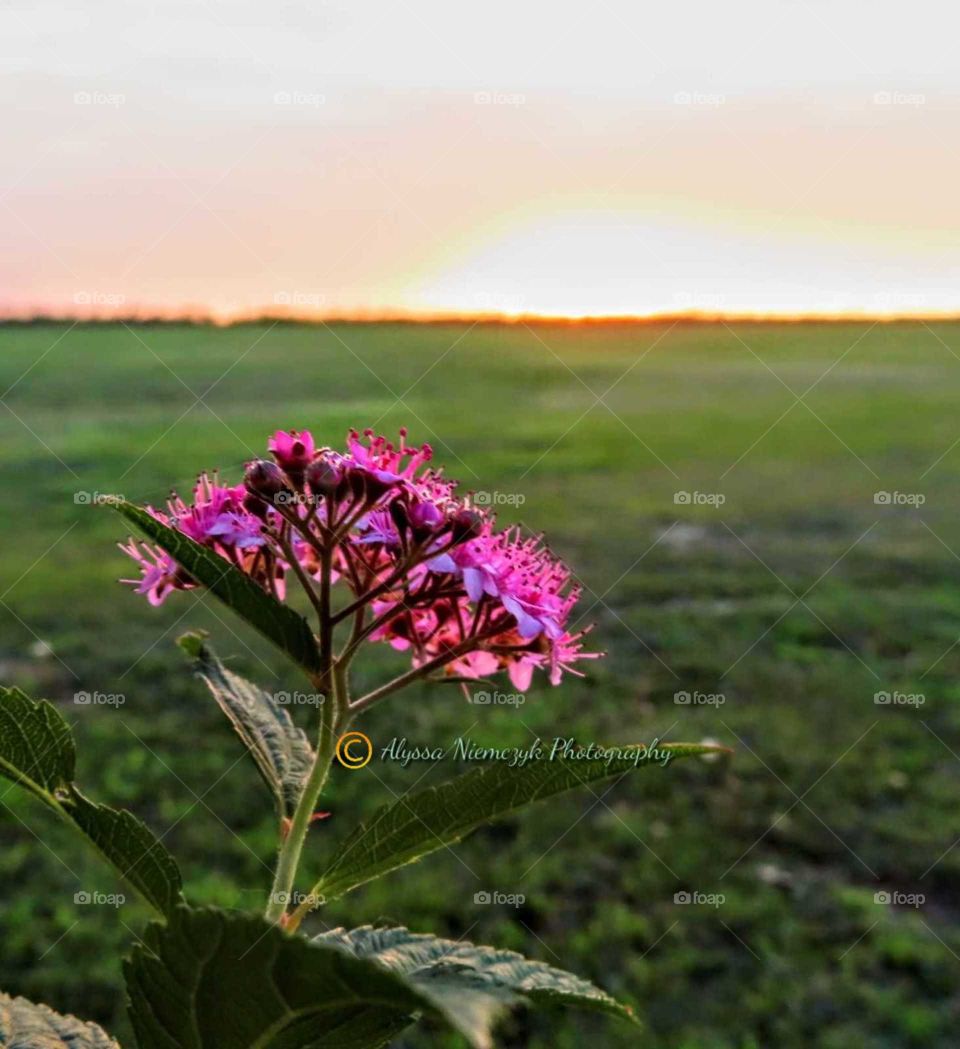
160 573
432 572
293 450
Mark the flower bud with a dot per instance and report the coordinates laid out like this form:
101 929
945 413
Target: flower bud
426 516
400 514
265 479
367 484
293 450
465 525
323 477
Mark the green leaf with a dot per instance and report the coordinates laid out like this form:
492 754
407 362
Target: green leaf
279 623
282 752
212 979
37 752
472 984
24 1025
414 825
217 980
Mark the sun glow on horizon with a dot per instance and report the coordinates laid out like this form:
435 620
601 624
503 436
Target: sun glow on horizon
604 263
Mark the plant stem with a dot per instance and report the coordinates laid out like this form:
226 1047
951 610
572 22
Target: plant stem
326 623
418 672
290 850
416 558
302 576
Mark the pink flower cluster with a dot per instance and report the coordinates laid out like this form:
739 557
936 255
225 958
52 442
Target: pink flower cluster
423 569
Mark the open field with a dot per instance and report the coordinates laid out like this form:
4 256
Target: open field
795 601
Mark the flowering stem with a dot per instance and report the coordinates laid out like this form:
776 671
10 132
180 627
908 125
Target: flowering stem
290 850
417 672
326 622
302 576
391 581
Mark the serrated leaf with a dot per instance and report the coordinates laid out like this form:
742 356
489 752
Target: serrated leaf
37 752
414 825
278 622
282 752
25 1025
212 979
474 983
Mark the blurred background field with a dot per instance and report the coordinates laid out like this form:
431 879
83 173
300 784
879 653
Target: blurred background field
797 600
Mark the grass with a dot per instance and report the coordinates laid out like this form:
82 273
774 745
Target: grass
797 599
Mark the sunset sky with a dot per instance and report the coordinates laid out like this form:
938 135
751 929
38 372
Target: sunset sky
610 158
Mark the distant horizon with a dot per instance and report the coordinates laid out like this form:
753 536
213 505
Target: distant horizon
209 319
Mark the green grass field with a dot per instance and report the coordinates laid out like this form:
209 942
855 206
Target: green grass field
797 600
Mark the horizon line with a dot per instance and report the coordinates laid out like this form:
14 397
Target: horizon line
209 318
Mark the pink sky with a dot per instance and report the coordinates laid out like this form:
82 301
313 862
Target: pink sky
612 159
